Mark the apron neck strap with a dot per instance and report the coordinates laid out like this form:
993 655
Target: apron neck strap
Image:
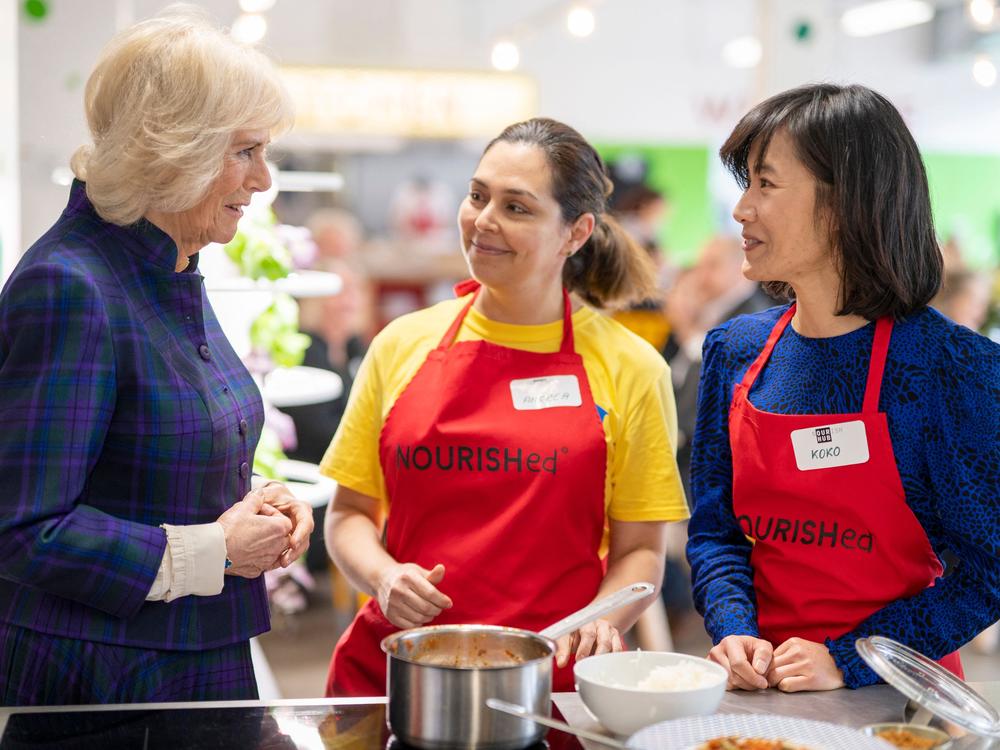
876 366
471 285
880 349
765 354
567 346
462 288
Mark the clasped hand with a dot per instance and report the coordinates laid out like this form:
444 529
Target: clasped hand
265 530
797 664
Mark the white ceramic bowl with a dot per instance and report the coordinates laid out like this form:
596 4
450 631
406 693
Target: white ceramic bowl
607 685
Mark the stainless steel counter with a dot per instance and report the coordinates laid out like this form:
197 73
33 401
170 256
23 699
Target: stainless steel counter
360 722
854 708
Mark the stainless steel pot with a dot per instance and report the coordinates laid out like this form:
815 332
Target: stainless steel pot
439 678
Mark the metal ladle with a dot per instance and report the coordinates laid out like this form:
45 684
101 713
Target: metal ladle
521 712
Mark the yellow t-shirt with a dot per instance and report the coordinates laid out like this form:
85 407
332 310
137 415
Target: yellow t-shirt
629 381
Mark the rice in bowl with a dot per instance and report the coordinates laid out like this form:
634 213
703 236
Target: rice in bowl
685 675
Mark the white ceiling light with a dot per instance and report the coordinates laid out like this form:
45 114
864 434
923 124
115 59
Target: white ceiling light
742 52
505 55
256 6
580 21
249 28
982 11
984 71
885 15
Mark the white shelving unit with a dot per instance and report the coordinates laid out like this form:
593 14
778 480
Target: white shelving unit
308 485
299 284
301 386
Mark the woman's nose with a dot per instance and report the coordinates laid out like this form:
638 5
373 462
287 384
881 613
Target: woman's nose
744 209
259 176
485 221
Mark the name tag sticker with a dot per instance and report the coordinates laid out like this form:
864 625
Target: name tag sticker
529 394
829 446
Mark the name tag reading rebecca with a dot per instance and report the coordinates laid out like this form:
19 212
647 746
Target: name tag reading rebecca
545 393
830 446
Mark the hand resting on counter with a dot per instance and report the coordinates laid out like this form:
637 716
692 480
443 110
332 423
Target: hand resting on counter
797 664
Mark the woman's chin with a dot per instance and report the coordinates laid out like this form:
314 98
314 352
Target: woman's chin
485 272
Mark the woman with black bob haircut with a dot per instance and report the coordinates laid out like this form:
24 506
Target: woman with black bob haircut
844 441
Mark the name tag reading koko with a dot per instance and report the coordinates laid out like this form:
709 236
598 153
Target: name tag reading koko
830 446
545 393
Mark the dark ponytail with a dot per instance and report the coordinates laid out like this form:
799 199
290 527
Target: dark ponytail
611 269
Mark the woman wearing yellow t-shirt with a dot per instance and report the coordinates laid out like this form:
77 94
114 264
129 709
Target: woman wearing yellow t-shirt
505 430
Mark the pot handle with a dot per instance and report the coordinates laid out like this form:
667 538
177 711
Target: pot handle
515 710
598 609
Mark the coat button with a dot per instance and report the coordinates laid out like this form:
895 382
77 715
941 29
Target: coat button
244 469
243 427
204 352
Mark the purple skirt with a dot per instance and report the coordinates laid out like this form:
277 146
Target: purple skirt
39 669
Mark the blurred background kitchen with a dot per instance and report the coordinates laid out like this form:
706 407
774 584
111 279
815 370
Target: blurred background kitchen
395 101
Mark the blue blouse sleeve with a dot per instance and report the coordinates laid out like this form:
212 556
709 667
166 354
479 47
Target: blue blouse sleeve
719 553
961 474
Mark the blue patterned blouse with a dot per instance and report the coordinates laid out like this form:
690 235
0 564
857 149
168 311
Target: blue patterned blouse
941 393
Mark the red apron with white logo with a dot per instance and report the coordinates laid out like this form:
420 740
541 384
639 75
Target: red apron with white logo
834 544
510 500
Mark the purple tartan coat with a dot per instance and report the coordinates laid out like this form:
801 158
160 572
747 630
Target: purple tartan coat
122 406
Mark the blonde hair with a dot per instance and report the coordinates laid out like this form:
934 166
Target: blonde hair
162 105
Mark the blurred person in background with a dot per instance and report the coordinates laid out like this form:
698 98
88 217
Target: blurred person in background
846 441
339 327
131 544
640 210
964 297
490 425
725 291
338 236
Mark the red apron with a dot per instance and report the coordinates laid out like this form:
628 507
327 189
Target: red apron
511 501
831 545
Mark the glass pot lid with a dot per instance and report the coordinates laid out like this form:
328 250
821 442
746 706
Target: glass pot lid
929 684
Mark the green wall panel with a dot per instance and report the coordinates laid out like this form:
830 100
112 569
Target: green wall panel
681 172
965 196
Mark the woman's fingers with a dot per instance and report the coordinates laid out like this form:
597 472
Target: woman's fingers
406 594
587 638
607 638
425 586
404 616
564 647
746 658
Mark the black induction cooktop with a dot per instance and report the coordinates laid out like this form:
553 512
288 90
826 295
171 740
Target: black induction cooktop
271 727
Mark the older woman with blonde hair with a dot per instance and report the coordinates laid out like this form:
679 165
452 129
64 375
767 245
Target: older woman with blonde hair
131 543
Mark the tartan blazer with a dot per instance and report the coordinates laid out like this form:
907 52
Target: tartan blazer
122 406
